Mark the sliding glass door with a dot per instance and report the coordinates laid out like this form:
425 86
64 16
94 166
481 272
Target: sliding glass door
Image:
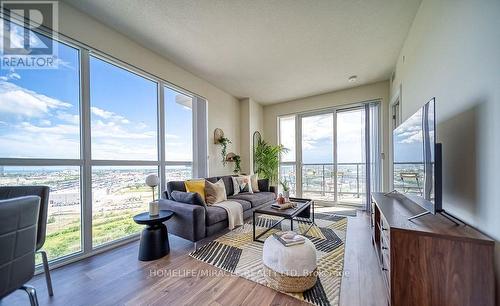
317 138
337 156
351 156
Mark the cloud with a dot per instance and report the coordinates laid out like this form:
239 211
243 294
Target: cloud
172 136
104 114
67 117
11 75
38 126
59 129
20 101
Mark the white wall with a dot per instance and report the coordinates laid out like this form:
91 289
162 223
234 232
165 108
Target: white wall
223 109
452 52
251 117
358 94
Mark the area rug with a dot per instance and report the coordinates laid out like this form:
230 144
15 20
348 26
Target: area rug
237 253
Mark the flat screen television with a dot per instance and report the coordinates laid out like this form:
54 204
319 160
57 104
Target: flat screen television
417 159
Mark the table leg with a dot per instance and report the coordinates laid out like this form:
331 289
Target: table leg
253 225
154 242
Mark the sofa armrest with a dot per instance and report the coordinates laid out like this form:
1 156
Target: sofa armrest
188 220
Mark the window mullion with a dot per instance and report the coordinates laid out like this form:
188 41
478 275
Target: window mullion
86 171
161 136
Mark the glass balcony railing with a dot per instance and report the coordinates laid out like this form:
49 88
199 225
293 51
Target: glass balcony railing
318 182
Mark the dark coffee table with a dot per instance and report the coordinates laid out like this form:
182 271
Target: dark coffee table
304 211
154 238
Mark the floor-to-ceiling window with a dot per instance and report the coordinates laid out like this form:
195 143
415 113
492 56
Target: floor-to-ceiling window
333 149
40 136
178 135
123 112
92 129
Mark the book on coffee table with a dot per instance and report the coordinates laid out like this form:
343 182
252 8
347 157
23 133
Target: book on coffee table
289 238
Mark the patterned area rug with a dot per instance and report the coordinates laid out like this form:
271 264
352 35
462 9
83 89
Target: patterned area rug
236 252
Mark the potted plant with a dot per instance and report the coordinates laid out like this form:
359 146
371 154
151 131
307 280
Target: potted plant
237 164
267 160
286 189
224 142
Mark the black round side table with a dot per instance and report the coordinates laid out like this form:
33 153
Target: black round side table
154 238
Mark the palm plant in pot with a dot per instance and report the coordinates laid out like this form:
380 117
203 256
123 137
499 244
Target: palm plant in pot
267 160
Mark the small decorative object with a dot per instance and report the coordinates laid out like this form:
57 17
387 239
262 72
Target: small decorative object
281 199
154 208
152 181
218 134
286 189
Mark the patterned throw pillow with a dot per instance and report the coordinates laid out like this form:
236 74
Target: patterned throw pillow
242 184
215 192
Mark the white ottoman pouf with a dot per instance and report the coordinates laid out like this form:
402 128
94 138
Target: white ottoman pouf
289 269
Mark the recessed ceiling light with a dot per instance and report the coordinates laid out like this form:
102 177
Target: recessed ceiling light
352 78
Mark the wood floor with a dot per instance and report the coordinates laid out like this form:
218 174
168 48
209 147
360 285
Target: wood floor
118 278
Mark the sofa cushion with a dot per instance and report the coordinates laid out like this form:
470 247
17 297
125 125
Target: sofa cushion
228 182
175 185
263 184
213 179
187 197
215 214
245 204
256 199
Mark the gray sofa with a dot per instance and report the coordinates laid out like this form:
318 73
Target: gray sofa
195 222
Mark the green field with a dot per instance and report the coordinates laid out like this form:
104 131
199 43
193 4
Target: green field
106 227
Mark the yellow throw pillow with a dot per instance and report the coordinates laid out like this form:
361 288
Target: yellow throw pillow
197 186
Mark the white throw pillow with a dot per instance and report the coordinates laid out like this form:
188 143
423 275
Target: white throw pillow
254 180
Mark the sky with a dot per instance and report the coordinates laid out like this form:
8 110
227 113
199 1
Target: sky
317 137
39 113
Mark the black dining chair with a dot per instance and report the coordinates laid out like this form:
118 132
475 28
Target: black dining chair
9 192
18 231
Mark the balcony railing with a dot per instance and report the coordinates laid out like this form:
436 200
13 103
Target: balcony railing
319 179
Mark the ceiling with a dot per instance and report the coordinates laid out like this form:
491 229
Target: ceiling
270 51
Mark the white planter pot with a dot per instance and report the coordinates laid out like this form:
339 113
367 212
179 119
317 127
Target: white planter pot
286 194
